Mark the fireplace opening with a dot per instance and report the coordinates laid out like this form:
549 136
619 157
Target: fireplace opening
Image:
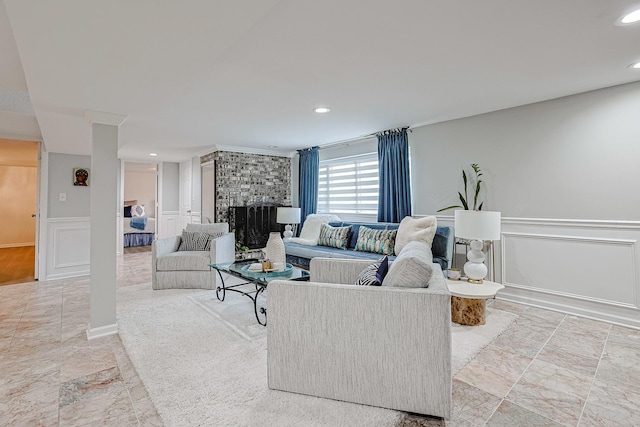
253 223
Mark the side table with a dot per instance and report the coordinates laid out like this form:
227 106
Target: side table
469 300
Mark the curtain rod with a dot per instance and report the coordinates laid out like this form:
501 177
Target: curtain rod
361 138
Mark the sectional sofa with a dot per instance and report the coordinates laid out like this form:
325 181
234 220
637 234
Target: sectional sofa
301 255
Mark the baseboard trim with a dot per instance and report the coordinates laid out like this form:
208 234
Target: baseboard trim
16 245
616 315
68 275
102 331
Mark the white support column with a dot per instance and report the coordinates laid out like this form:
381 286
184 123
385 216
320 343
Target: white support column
103 182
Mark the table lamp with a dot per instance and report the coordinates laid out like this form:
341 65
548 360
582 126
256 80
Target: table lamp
288 216
476 226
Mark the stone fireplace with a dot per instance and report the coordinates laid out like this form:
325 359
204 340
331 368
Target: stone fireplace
248 190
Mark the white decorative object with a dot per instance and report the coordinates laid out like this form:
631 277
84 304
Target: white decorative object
275 248
288 216
411 229
311 228
476 226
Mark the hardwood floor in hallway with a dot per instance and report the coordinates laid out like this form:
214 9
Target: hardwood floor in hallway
17 265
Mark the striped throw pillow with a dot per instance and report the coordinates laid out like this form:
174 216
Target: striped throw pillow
376 241
194 241
334 237
212 237
373 275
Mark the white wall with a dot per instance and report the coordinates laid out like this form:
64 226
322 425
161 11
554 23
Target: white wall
141 186
18 192
564 175
60 180
170 186
574 157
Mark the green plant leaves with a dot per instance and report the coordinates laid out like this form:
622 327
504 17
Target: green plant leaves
478 186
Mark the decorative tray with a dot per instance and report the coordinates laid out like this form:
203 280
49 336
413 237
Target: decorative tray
270 273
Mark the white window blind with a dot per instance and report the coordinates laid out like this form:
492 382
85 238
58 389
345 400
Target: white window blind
349 185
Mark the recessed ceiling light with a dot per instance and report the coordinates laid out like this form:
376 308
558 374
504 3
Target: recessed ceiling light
635 66
629 18
153 154
322 110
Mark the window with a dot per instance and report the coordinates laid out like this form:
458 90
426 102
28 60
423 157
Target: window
349 185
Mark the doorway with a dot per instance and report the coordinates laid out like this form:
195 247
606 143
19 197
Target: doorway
140 195
19 180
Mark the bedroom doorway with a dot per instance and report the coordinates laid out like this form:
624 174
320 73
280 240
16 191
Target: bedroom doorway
19 191
140 195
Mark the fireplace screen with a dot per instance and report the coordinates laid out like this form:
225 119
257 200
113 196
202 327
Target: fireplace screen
253 223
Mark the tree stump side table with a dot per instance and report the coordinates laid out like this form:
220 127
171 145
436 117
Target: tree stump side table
469 300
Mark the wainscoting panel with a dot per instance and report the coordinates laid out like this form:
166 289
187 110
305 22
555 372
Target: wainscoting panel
579 267
170 224
588 268
68 244
583 267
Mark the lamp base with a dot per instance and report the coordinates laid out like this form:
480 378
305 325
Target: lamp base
288 234
475 269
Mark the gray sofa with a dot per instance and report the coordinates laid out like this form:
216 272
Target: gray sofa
171 269
297 254
374 345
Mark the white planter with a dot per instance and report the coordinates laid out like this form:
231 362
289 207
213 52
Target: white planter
275 248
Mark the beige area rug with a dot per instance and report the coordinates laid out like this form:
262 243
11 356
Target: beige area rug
203 362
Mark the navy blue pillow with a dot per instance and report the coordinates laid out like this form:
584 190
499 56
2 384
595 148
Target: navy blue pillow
373 275
382 270
127 211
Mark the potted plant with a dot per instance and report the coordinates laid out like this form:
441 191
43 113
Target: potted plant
473 181
241 250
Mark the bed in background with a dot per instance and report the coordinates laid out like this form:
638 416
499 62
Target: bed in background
143 230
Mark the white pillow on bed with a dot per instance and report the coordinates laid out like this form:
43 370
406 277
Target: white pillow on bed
311 228
137 210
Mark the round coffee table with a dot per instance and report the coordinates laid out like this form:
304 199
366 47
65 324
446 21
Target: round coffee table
469 300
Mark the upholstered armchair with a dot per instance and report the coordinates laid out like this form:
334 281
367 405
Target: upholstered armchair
384 346
179 269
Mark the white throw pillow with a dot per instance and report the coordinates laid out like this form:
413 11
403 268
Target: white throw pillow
415 229
413 268
137 210
311 228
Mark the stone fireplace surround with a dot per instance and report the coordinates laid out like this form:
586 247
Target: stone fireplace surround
244 179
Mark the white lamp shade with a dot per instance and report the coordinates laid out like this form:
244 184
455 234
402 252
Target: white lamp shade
477 225
288 216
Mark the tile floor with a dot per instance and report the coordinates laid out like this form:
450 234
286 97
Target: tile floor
50 375
548 369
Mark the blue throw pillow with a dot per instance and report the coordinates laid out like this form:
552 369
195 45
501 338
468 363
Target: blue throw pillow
374 274
127 211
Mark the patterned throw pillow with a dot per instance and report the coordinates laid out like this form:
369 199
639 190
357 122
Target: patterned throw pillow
212 237
334 237
373 275
137 210
194 241
376 241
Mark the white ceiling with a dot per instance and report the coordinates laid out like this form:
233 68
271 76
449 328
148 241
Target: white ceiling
191 75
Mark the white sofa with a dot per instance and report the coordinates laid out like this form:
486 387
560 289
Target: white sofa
173 269
375 345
